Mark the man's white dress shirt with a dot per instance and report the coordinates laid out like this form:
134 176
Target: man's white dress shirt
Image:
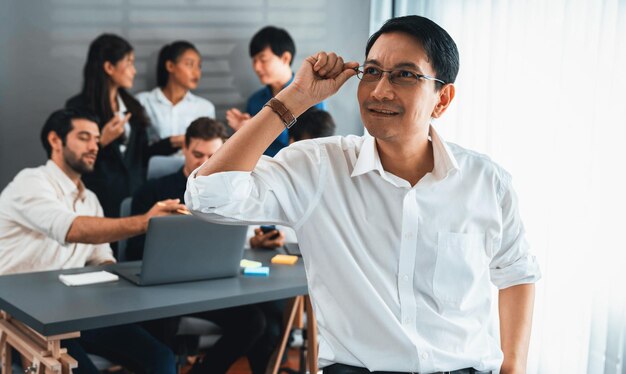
36 212
169 119
401 277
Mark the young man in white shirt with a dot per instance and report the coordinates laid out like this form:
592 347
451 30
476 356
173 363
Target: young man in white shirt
403 235
49 221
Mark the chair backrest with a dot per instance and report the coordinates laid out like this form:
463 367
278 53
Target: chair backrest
124 212
159 166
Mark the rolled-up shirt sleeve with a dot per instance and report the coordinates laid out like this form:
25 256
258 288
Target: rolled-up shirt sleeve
512 263
101 253
36 205
280 190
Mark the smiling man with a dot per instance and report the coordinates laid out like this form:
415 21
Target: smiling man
403 235
272 51
50 221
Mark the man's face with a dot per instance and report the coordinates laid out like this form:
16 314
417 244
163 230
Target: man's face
81 146
391 112
269 67
198 151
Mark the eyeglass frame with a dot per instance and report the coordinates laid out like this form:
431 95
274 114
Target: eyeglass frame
419 76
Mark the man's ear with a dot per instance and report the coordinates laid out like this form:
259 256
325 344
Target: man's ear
55 141
286 58
108 68
446 95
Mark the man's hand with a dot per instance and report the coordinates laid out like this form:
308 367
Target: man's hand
236 119
321 76
177 141
163 208
113 129
261 240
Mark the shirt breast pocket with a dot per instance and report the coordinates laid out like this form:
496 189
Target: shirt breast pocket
462 267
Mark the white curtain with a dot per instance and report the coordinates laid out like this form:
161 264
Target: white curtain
541 90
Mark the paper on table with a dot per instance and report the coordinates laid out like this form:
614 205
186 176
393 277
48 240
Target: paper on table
82 279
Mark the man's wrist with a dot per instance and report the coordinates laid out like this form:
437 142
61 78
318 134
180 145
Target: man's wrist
141 224
295 100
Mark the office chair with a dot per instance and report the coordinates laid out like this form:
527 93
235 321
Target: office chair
160 166
121 245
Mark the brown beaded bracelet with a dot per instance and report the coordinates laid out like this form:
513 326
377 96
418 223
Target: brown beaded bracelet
285 114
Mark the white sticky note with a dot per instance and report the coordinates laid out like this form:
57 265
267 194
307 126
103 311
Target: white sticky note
82 279
250 264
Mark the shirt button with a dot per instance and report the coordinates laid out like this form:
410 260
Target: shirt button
405 278
424 356
407 321
408 235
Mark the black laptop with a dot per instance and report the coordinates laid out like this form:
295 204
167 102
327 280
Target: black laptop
186 248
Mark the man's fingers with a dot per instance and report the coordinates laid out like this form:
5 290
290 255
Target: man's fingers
336 69
329 65
347 73
321 60
168 202
233 112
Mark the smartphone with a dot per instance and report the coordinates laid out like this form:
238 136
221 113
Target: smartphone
269 228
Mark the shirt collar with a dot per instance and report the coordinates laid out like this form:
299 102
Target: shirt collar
369 160
445 162
121 106
160 96
67 186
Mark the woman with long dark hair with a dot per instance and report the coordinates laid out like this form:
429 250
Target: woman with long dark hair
124 151
171 106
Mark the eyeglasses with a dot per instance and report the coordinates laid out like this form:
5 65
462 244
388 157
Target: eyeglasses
400 77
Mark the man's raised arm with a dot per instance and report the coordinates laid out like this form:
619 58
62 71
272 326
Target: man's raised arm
319 77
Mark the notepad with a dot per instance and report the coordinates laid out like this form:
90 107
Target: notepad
250 264
82 279
262 271
284 259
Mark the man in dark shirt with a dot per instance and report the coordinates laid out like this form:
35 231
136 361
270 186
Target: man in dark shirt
272 51
204 136
241 326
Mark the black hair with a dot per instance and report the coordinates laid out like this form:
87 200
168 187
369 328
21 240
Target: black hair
60 122
438 44
171 52
205 128
314 123
277 39
96 85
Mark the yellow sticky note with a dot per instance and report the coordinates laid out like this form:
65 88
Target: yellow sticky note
284 259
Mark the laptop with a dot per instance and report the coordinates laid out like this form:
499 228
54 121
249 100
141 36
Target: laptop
186 248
